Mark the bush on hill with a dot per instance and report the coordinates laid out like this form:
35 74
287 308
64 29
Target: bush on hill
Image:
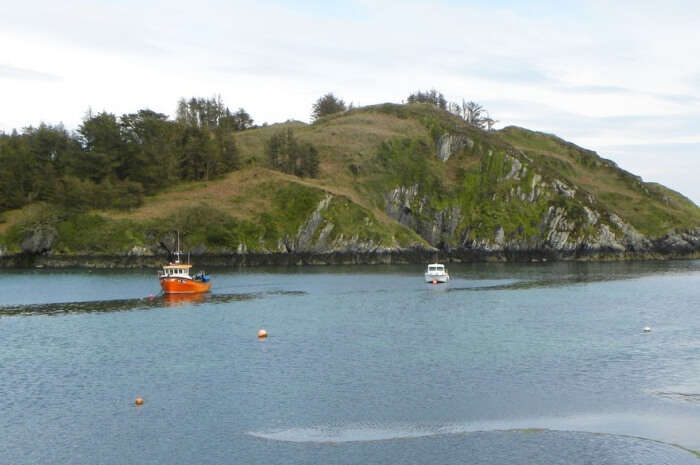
327 105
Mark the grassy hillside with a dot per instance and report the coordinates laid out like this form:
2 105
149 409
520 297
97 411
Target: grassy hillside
651 208
381 186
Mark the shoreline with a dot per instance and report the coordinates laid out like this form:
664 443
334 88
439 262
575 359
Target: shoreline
296 259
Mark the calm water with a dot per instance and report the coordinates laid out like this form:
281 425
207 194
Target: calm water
507 364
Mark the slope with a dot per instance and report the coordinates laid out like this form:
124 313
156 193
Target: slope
394 179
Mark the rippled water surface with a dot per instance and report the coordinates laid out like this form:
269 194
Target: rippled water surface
541 363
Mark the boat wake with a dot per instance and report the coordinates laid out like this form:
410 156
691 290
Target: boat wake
121 305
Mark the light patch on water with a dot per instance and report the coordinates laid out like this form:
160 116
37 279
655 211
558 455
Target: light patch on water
357 433
659 428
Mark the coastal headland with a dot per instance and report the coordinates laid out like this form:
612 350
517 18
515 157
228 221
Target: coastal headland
386 183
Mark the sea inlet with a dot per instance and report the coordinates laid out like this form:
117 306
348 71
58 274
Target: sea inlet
542 363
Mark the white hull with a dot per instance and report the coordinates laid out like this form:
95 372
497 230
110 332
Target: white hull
440 278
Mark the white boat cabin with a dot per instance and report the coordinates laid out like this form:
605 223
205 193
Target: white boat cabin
436 269
176 270
436 273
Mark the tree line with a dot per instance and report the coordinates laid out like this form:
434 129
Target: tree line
112 162
471 112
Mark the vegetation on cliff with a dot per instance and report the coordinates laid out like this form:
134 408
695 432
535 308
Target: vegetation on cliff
375 179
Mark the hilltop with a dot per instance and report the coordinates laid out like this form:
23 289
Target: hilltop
395 183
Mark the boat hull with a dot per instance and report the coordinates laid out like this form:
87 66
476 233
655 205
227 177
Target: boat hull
439 278
179 285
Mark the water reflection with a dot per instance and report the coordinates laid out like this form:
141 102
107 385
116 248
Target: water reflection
176 300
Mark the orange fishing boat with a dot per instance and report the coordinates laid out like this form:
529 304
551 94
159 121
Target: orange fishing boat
175 277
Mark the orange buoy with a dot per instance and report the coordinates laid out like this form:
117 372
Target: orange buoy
138 401
262 334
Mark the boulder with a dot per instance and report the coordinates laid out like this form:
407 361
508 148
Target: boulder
39 240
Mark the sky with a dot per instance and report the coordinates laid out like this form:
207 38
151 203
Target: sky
621 78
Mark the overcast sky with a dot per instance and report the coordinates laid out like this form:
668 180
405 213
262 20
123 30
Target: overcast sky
623 80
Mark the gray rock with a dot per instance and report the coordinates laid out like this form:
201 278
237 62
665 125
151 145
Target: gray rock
680 242
606 240
39 241
449 144
592 216
563 189
500 238
631 238
139 251
304 237
515 169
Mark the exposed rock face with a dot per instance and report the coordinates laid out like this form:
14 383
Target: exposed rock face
402 206
39 241
517 170
563 189
556 229
304 239
437 227
449 144
684 242
562 233
631 238
138 251
314 237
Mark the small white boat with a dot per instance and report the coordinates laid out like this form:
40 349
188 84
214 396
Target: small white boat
436 273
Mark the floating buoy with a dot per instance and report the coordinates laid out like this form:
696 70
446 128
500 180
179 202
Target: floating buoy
434 281
138 401
647 329
150 297
262 334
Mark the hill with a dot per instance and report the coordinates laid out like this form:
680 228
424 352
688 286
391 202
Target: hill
395 183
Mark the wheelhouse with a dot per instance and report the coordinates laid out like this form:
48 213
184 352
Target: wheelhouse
176 270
